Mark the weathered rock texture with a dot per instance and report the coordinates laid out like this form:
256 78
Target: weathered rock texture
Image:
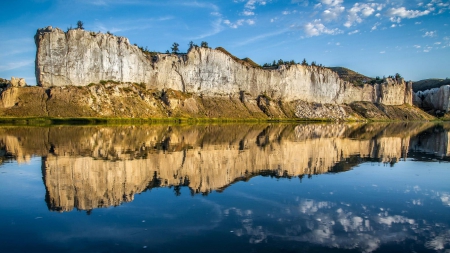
18 82
134 101
79 58
91 167
436 99
14 82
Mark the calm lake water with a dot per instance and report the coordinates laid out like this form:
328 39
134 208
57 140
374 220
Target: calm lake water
226 188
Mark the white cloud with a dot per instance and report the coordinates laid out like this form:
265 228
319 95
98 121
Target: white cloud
418 23
427 49
286 12
396 14
382 52
375 26
316 28
332 13
393 25
430 34
250 5
332 2
238 23
359 11
353 32
417 46
249 10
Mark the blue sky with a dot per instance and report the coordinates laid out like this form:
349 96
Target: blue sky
372 37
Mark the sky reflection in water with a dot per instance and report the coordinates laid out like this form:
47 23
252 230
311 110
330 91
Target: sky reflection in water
250 189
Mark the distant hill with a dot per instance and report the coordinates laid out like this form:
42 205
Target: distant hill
429 84
351 76
246 61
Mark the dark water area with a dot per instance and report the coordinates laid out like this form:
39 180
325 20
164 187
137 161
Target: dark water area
381 187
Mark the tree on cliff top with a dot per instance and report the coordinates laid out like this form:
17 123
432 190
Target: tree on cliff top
80 25
175 48
191 44
204 44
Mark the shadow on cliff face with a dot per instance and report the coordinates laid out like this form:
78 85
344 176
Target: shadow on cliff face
88 167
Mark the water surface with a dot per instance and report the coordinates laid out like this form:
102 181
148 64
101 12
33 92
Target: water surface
226 188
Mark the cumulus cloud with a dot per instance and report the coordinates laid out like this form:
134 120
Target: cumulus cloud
333 13
359 11
396 14
430 34
251 4
332 2
238 23
249 10
333 10
316 28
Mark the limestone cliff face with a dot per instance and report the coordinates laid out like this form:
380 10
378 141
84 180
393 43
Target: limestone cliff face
434 99
79 57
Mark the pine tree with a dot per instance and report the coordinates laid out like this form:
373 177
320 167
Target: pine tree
204 44
80 25
174 48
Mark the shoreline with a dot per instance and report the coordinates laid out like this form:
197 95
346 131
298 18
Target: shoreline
38 121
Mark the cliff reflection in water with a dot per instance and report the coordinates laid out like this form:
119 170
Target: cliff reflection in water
97 166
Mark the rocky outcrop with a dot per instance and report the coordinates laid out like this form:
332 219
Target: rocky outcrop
18 82
14 82
436 99
79 57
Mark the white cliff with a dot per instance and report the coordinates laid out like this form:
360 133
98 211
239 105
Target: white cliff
80 57
434 99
